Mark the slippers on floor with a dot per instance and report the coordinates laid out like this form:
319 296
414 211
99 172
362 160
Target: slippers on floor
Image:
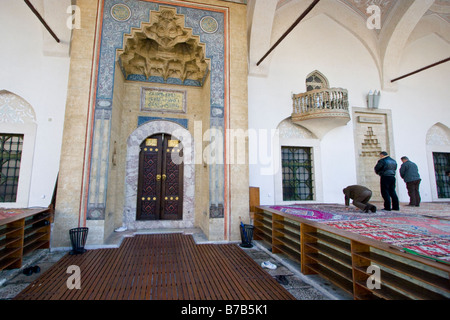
30 270
282 280
268 265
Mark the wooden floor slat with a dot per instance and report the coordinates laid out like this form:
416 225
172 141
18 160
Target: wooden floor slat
159 267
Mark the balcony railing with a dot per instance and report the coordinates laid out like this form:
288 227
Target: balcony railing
321 110
321 99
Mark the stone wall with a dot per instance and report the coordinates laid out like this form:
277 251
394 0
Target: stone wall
103 111
373 134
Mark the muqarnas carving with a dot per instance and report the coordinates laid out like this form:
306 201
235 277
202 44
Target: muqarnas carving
164 49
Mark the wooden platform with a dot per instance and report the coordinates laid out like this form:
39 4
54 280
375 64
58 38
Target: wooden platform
344 258
21 232
159 267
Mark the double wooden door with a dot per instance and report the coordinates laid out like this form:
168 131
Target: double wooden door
160 181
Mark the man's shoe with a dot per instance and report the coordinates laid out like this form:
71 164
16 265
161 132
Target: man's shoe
28 271
282 280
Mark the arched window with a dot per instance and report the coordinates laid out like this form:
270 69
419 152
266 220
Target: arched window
438 147
17 139
298 178
316 80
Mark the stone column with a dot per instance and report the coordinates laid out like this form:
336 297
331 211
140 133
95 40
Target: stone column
72 163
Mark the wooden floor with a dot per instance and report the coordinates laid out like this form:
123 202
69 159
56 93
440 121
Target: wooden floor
159 267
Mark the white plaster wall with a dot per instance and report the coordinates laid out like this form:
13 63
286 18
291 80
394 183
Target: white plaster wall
40 80
321 44
422 100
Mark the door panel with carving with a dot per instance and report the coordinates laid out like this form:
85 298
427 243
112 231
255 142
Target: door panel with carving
160 182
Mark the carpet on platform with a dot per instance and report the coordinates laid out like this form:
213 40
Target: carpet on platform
414 233
8 213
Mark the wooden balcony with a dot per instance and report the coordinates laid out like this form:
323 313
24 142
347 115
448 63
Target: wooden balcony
321 110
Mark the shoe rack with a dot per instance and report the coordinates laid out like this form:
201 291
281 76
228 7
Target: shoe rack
22 234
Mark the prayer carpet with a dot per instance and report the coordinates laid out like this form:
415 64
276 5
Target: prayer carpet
420 224
309 214
324 213
8 213
416 243
414 233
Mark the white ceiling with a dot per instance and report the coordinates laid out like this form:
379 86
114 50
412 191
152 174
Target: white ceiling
440 8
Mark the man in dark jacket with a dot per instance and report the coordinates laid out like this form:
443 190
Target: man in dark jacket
410 174
361 196
386 168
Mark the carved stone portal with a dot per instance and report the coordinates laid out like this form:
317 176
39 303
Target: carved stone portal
164 48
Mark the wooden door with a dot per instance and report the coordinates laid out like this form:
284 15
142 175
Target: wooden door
160 181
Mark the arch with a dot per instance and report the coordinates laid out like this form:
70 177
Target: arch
439 134
395 37
15 109
437 141
431 24
316 80
261 15
288 130
131 175
385 46
276 21
293 135
17 116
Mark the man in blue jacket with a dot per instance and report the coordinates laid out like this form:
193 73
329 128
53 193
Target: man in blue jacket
410 174
386 168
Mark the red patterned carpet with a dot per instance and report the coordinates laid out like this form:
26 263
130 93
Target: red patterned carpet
8 213
424 231
413 242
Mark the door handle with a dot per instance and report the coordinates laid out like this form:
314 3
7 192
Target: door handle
159 177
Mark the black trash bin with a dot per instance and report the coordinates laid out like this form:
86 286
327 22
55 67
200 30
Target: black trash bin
246 235
78 239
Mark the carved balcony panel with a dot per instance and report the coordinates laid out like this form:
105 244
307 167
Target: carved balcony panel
321 110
